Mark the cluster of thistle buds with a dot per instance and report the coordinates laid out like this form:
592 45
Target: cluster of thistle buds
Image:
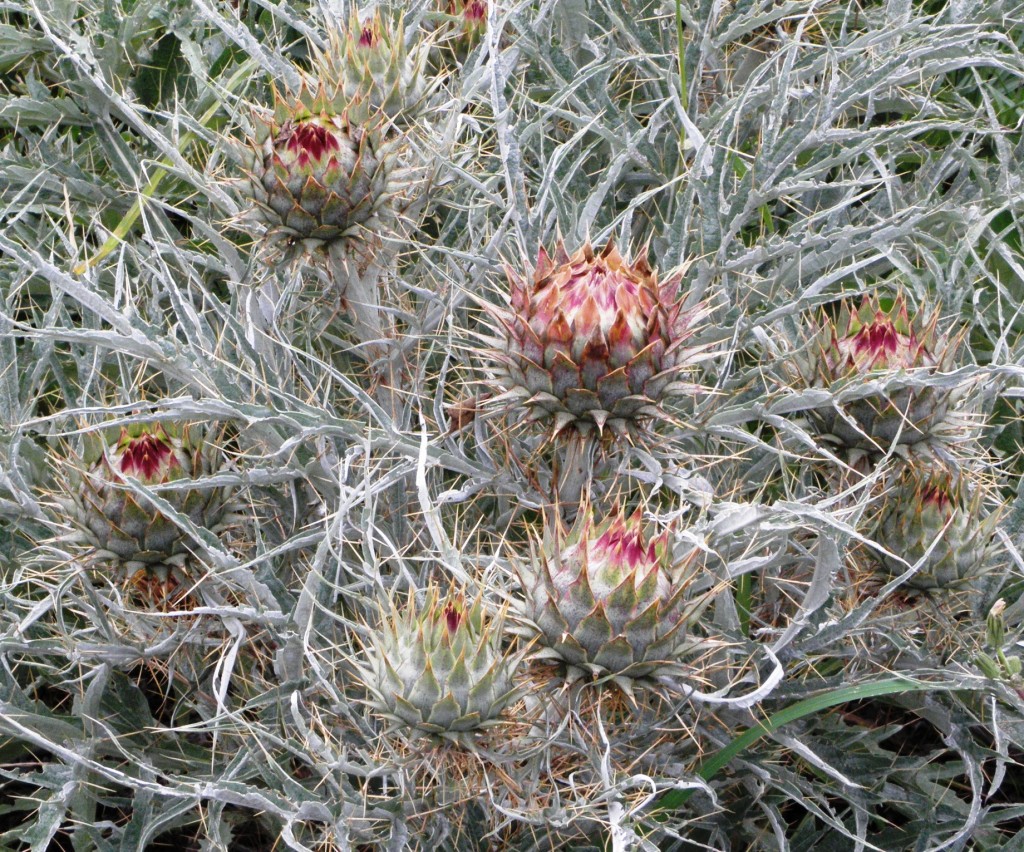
605 601
593 345
327 169
885 372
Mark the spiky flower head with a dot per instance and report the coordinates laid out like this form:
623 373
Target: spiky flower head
472 15
885 347
128 528
374 65
324 171
932 515
593 341
462 24
608 599
875 339
440 667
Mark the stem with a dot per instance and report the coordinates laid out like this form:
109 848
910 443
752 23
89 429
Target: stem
575 472
376 342
360 285
682 68
743 602
117 236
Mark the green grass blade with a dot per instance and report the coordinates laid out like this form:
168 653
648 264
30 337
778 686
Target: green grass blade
808 707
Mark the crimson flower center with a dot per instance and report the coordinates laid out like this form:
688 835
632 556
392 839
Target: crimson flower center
877 340
144 456
311 141
881 345
452 618
609 291
625 548
937 497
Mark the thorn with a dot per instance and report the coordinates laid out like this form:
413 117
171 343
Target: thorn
562 420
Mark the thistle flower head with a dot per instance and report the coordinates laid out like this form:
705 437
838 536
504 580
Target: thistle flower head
608 600
439 668
324 172
123 527
474 19
372 63
883 346
875 339
594 340
935 516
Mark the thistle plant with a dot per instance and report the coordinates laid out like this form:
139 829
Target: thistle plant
594 341
884 347
337 182
132 529
440 667
309 267
608 600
